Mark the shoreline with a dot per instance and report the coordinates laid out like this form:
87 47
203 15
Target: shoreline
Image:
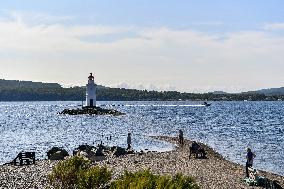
215 156
213 172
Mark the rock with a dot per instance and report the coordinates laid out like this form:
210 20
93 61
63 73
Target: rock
82 153
141 152
91 111
57 153
85 147
99 152
119 151
130 151
85 150
93 153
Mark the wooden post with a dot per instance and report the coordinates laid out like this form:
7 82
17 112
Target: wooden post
33 153
21 158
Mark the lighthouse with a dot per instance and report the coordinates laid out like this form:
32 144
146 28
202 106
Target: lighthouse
91 92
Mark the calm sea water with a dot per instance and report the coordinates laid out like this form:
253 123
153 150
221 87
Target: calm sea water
228 127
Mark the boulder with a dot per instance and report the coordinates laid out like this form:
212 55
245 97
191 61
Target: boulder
85 154
119 151
99 152
85 147
91 151
84 150
130 151
57 153
91 111
102 150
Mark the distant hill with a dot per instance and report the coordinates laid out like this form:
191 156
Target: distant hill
14 84
270 92
13 90
219 92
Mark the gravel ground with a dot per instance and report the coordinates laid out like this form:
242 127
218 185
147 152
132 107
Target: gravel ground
214 172
32 176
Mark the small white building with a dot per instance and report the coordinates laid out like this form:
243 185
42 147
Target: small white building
91 91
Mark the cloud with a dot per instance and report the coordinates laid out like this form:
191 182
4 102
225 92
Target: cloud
144 58
33 18
274 26
216 23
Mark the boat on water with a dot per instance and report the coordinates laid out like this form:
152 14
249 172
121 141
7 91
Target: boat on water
206 104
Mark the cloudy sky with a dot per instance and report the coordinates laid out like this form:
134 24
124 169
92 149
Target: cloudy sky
184 45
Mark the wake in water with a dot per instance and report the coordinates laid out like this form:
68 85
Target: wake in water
160 105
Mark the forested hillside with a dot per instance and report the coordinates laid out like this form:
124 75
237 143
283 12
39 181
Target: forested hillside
13 90
271 91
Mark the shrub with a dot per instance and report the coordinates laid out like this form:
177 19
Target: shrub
145 179
77 172
94 177
179 181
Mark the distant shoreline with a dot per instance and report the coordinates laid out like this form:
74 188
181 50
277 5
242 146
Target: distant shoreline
201 101
13 90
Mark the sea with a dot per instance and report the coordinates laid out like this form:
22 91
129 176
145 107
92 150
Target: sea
228 127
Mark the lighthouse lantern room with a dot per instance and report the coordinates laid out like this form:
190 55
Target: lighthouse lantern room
91 92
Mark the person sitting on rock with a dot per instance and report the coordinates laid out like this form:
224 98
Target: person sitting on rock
196 149
129 141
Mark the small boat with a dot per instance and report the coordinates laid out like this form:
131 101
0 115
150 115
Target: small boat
206 104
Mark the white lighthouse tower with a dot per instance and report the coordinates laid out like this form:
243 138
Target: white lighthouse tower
91 92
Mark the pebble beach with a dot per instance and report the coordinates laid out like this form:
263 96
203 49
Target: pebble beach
213 172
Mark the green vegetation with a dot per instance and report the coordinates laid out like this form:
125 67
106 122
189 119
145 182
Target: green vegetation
36 91
77 172
145 179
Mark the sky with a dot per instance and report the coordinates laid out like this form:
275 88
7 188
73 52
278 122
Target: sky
183 45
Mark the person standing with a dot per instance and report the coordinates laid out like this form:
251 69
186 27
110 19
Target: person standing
250 156
180 137
129 141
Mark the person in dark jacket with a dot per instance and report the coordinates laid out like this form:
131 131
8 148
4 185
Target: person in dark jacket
129 141
250 156
180 138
